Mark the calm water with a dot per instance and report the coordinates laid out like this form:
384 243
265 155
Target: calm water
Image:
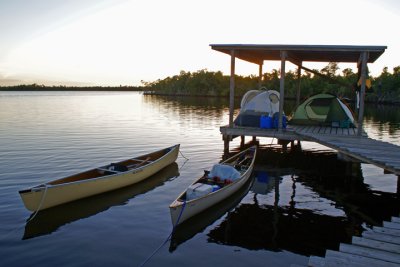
299 204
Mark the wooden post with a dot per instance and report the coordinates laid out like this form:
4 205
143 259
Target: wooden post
260 70
364 58
298 85
242 141
226 146
232 89
282 89
398 185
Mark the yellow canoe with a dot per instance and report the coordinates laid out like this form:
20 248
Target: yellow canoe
98 180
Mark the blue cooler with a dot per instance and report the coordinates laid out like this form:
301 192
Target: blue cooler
265 122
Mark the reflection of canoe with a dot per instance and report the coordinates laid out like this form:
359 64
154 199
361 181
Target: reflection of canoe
208 191
49 220
199 222
98 180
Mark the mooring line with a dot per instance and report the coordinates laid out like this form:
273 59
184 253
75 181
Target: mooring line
31 217
168 238
40 204
183 155
186 160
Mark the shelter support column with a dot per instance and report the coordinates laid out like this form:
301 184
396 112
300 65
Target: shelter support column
298 85
364 59
260 71
282 89
232 89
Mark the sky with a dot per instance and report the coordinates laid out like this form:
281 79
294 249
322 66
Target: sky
124 42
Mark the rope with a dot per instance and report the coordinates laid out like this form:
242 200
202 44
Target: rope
183 155
167 239
40 204
32 216
186 160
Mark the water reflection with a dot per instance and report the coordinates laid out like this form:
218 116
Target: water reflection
304 202
207 109
302 192
255 227
49 220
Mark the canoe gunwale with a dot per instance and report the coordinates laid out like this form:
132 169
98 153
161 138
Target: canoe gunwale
179 201
222 189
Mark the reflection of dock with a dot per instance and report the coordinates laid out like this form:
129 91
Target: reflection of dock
379 247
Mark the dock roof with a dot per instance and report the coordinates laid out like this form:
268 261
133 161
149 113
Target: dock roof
257 53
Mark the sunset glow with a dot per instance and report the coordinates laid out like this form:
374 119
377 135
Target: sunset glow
125 42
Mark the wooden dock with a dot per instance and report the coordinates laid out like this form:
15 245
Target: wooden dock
377 247
344 140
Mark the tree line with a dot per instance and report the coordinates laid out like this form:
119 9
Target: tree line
385 88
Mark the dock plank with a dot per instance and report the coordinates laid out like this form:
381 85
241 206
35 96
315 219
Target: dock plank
358 259
379 247
381 154
365 242
388 231
381 237
315 261
370 253
392 225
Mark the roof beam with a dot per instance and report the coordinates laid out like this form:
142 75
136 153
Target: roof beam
314 53
323 76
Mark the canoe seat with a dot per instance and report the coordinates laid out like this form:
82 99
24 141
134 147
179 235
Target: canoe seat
141 162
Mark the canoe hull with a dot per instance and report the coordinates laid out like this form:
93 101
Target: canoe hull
50 195
196 206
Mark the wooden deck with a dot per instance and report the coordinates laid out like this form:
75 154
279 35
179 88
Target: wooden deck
322 130
379 153
344 140
287 134
378 247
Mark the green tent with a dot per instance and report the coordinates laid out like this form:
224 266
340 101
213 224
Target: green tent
323 110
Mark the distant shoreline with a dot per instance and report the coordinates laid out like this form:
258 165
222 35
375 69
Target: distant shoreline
71 90
145 91
37 87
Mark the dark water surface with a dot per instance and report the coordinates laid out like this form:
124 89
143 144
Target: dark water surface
299 204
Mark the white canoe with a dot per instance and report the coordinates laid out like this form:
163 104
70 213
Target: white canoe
184 207
98 180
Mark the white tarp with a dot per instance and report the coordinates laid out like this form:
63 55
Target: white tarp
224 172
